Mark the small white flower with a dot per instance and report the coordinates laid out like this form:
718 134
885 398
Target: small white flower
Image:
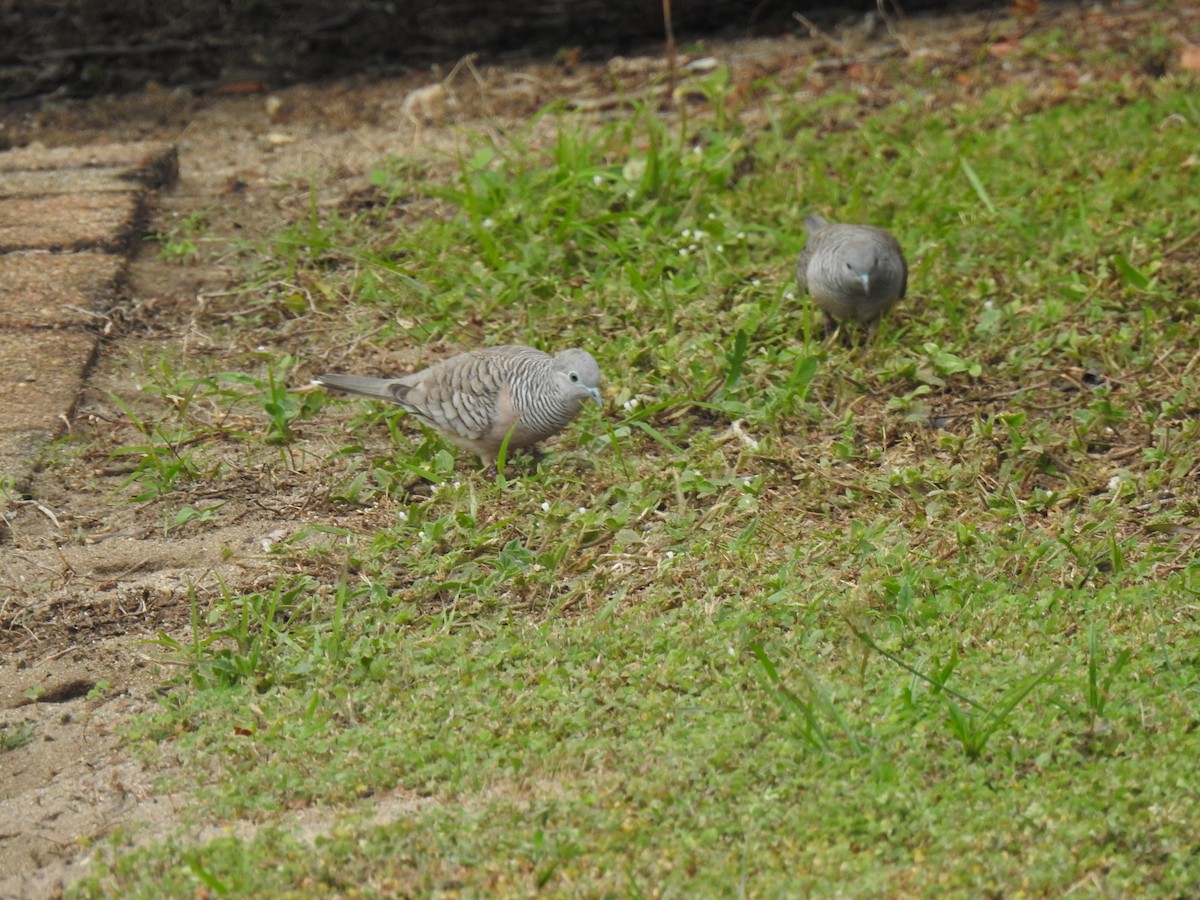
687 232
670 554
421 535
789 295
630 405
756 282
988 304
699 235
596 179
720 248
1114 483
731 651
545 506
741 235
402 516
582 510
488 224
712 216
454 484
696 150
683 251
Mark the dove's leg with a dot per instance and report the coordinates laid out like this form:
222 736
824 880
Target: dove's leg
524 461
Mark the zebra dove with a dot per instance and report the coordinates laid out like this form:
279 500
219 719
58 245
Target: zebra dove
476 399
853 272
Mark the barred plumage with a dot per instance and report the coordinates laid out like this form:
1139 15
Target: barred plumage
476 398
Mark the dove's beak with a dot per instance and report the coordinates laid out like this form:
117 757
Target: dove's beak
866 282
594 393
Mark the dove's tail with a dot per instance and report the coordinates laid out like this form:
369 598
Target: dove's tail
379 388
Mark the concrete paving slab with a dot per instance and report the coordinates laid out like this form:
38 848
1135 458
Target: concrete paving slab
40 380
56 290
155 163
70 222
68 219
67 181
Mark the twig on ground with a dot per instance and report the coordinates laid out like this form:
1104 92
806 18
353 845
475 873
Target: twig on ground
818 34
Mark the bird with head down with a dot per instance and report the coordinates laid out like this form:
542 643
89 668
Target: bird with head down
482 398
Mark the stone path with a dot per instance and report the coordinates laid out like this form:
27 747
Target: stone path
69 221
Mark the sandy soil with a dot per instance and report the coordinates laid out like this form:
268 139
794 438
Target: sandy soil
85 580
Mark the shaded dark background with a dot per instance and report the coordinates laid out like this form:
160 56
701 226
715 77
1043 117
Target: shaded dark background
88 47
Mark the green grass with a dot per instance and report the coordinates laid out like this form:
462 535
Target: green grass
790 616
19 736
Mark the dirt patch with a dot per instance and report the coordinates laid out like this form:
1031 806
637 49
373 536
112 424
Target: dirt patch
86 578
72 784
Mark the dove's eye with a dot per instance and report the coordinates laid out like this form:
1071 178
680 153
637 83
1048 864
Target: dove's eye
573 377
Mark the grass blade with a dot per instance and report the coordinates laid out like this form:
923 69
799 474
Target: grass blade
977 184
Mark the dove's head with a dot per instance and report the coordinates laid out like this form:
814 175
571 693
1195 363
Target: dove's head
577 375
860 260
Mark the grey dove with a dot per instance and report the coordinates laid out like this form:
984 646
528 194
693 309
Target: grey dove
852 272
476 398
